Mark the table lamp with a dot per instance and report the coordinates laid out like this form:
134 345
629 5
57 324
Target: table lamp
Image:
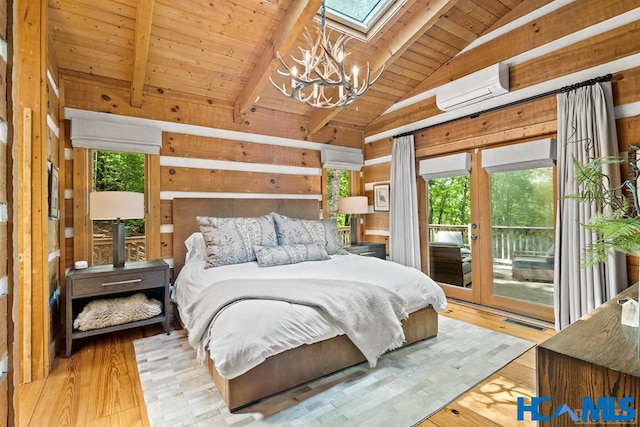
118 205
353 206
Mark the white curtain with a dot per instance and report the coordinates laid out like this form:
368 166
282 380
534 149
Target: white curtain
404 238
586 129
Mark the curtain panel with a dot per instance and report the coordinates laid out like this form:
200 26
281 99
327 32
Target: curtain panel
586 129
404 238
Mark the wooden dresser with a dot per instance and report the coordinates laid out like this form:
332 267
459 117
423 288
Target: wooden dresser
594 357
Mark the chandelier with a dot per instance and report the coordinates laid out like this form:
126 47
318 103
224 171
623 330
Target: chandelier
321 81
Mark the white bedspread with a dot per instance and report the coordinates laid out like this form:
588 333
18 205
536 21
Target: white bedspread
247 332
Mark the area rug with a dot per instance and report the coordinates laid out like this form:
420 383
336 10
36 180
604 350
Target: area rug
406 387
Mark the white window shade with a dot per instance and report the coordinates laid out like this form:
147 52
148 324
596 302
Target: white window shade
111 136
528 155
445 167
343 160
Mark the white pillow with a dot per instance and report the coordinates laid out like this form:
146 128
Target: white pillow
196 248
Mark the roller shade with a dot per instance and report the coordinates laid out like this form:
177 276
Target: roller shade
528 155
343 160
445 167
111 136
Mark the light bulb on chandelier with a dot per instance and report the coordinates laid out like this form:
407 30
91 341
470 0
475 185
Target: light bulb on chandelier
323 82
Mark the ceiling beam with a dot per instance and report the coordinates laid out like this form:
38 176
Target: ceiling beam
299 14
421 22
141 40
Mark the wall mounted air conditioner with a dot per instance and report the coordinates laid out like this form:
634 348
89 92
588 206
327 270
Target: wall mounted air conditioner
475 87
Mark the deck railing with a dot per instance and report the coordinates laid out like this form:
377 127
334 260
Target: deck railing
505 239
134 247
345 235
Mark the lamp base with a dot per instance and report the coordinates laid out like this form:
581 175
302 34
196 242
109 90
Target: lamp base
354 229
118 244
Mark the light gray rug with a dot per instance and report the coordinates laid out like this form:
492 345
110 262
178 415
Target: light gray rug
407 386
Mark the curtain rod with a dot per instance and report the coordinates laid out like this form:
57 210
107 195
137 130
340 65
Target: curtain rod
589 82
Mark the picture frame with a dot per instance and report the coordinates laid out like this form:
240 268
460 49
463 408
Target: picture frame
381 198
54 197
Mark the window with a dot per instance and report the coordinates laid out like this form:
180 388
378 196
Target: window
113 171
362 18
337 185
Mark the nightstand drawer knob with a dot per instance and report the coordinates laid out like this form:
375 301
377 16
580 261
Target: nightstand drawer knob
122 282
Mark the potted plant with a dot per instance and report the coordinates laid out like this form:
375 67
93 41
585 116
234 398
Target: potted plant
618 224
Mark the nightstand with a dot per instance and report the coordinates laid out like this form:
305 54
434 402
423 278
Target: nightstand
368 249
107 281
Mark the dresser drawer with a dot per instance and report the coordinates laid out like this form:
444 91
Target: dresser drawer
123 282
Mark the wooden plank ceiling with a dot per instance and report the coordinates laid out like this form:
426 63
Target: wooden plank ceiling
224 50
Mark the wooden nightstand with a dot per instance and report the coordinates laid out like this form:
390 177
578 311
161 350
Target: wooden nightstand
107 281
368 249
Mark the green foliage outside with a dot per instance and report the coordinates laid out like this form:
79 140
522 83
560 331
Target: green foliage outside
337 186
449 201
119 172
522 198
518 199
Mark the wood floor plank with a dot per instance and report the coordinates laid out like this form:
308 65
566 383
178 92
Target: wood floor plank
456 414
100 385
112 383
29 396
58 405
496 399
85 355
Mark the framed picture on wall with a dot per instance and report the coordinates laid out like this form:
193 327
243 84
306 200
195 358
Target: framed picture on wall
381 198
54 201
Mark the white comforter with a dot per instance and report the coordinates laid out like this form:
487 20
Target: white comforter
247 332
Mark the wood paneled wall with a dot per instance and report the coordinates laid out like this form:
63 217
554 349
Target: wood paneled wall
55 160
529 120
7 331
36 249
272 157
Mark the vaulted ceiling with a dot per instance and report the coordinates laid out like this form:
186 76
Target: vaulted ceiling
224 50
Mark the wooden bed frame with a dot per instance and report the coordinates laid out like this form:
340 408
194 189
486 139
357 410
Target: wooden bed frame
298 365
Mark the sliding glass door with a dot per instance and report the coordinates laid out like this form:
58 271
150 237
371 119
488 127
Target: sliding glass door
491 227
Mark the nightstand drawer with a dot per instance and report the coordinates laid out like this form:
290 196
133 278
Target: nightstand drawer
122 282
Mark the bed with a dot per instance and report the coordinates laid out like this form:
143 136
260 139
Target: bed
328 352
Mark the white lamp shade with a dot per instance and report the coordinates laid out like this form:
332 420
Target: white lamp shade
116 204
353 205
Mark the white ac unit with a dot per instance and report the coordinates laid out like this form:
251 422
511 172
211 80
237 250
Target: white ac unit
474 87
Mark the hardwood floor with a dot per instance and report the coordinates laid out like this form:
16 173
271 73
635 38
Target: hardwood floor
99 384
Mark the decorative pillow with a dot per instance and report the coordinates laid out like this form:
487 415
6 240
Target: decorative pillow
231 240
269 256
292 231
101 313
196 247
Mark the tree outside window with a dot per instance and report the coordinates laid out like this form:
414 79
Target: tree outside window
337 186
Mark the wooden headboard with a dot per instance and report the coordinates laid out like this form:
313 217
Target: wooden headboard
185 212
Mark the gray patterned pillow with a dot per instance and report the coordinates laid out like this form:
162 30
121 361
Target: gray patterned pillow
269 256
231 240
292 231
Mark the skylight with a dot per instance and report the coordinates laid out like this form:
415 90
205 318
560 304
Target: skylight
360 18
